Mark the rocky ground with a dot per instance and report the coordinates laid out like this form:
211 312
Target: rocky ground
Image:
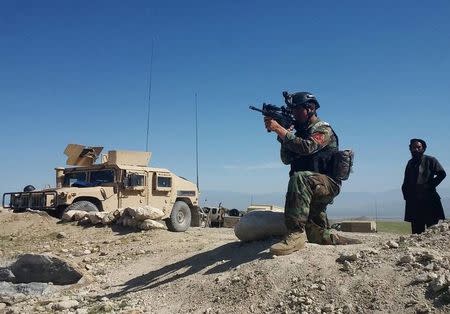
207 270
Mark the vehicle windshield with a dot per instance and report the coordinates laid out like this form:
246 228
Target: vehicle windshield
91 178
71 178
101 176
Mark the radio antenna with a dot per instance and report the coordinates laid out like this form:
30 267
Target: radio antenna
149 98
196 139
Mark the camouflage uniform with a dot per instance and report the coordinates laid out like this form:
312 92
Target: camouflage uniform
309 192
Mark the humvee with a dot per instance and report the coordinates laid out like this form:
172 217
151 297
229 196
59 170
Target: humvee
121 179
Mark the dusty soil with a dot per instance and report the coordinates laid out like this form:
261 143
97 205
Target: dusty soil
207 270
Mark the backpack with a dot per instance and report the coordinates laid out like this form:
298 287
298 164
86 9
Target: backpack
342 163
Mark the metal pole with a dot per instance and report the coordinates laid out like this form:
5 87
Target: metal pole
149 99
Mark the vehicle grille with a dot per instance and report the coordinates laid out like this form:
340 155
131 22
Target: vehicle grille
33 200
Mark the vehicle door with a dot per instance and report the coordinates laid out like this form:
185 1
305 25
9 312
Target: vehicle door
134 192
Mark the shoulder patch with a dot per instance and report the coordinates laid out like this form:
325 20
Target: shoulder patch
319 138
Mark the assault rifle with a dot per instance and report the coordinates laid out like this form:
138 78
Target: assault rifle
281 114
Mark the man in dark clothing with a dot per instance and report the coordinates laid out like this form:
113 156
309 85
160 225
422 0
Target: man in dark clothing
423 174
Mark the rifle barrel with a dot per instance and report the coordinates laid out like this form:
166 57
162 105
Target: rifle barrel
256 109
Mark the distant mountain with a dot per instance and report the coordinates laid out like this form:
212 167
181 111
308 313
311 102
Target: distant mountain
388 204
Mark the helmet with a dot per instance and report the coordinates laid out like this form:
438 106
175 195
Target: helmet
300 98
29 188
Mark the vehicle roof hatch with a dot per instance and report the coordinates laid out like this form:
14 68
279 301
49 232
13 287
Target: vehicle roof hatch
80 155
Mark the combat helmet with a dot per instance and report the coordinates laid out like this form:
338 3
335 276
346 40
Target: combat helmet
299 99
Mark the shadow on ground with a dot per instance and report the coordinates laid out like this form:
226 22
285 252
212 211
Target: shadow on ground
226 257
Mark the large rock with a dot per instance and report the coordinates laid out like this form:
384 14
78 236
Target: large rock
149 224
111 217
127 221
145 212
44 268
8 289
74 215
96 217
259 225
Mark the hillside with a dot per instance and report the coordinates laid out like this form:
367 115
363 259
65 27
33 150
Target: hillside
209 271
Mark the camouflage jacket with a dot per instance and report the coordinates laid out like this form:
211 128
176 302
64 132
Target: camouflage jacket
307 141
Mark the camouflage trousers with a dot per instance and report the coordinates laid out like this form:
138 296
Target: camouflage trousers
307 198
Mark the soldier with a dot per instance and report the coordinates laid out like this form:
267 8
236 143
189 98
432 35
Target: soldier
309 152
422 175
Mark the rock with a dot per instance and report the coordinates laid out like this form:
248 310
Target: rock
61 235
351 257
65 305
2 306
127 221
79 215
259 225
82 311
328 308
149 224
422 308
75 215
444 226
407 259
44 268
348 308
439 283
428 256
392 244
96 217
145 212
110 217
87 259
347 266
6 275
314 286
13 293
429 266
422 278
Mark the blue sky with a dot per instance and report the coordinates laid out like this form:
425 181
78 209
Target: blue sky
78 72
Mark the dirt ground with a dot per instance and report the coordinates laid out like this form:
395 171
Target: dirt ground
208 270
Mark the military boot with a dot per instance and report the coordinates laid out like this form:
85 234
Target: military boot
341 240
292 242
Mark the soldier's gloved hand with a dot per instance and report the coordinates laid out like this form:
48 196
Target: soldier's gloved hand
271 124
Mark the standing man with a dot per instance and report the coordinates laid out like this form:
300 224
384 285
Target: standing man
423 174
311 188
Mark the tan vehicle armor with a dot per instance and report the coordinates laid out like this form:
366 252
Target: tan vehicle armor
122 179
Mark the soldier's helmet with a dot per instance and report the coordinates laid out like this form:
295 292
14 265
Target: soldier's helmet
300 99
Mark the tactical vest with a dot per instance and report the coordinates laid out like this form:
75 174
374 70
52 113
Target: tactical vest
321 161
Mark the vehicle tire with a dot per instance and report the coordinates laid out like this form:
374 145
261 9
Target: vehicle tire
180 217
83 206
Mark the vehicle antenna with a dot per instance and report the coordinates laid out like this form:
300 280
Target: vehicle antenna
149 98
196 139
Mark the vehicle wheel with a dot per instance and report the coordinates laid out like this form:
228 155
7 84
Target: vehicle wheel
82 205
180 218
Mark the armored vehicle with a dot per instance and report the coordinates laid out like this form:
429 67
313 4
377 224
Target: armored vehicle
121 179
